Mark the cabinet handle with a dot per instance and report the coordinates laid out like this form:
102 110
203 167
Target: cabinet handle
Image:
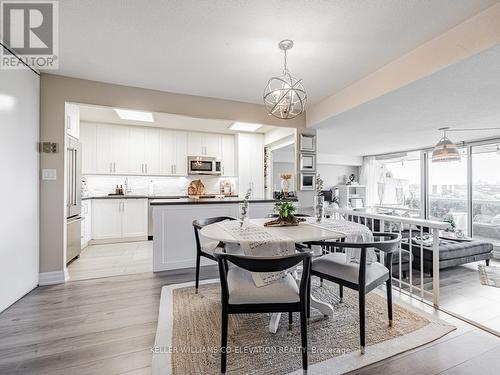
110 167
142 168
114 167
175 169
146 165
171 169
68 122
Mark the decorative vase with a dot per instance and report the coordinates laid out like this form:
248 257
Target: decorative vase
243 216
285 185
319 208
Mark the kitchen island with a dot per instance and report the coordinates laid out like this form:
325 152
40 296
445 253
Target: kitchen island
174 245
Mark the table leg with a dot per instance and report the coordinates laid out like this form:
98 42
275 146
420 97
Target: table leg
274 322
325 308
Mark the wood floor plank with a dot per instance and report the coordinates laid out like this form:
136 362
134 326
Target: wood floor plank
107 326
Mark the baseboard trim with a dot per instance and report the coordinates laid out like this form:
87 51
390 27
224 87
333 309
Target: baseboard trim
52 278
117 240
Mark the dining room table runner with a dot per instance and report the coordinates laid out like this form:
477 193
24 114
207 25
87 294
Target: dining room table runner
255 240
355 232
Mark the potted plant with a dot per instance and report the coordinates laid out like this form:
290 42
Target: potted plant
285 211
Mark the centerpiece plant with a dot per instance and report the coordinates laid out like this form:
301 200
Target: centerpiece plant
285 211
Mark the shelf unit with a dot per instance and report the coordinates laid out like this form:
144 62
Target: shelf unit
352 196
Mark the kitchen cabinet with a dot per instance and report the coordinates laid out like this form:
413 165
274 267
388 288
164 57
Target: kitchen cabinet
119 219
144 151
173 152
204 144
86 222
112 147
72 120
89 147
228 155
251 164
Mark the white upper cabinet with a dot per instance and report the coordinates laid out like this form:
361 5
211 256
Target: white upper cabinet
228 155
173 148
89 147
112 149
204 144
136 150
72 120
144 151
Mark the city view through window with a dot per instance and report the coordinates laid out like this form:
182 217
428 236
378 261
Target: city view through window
399 187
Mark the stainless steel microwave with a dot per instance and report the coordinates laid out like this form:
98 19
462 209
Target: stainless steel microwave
204 165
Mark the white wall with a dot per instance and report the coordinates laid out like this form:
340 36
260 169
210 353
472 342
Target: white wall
333 174
19 131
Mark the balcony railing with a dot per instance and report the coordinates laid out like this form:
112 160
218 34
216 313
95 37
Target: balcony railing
408 228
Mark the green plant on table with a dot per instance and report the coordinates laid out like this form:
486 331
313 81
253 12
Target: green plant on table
285 210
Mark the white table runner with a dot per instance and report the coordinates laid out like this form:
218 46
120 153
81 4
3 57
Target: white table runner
256 241
355 232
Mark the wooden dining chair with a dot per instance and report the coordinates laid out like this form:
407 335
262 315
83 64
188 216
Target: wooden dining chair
239 295
361 276
206 249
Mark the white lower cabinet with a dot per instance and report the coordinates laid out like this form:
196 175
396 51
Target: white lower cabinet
86 222
119 219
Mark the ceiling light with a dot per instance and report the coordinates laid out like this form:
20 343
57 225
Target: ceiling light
245 126
285 96
445 150
127 114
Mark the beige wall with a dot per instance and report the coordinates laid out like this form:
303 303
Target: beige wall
56 90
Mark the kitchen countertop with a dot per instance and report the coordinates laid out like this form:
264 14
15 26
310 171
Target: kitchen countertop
167 202
135 196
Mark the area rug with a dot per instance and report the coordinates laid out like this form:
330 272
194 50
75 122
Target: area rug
188 334
489 275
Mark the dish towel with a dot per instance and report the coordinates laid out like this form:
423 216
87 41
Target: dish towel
256 241
355 233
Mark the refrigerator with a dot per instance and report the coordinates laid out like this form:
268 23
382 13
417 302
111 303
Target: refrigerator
73 198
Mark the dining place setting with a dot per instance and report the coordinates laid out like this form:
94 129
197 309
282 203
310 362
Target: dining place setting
271 265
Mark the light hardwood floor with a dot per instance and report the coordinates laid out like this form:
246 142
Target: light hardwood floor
107 326
112 260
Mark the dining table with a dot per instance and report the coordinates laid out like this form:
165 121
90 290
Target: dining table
304 232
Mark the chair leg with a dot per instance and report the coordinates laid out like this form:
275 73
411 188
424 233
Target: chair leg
487 262
308 299
290 320
388 285
223 355
341 292
303 338
362 321
197 272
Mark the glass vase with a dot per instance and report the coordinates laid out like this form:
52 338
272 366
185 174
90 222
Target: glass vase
319 208
243 214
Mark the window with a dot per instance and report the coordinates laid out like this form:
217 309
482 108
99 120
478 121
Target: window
398 184
486 193
447 192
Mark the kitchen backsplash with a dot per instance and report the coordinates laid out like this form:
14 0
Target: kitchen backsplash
103 185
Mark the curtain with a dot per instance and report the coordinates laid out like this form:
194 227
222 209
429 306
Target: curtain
372 175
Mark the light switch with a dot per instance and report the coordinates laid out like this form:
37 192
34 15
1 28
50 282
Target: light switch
49 174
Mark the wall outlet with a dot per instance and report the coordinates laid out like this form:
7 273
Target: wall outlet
49 174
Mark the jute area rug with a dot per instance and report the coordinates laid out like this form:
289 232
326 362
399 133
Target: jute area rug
489 275
188 334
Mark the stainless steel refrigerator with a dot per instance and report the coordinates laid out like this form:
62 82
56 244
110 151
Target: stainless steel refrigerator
74 200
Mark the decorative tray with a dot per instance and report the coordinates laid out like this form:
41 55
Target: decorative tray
284 223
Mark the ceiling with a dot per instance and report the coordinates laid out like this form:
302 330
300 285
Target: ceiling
228 49
162 120
464 95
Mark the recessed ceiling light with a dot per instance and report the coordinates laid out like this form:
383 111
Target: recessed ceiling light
244 126
127 114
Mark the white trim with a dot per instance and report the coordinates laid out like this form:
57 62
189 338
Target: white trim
117 240
51 278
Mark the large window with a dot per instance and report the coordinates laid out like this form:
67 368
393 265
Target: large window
486 192
401 182
447 191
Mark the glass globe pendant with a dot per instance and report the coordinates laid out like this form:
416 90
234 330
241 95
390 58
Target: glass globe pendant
285 96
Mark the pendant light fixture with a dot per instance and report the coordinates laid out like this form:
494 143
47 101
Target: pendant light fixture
285 96
445 150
